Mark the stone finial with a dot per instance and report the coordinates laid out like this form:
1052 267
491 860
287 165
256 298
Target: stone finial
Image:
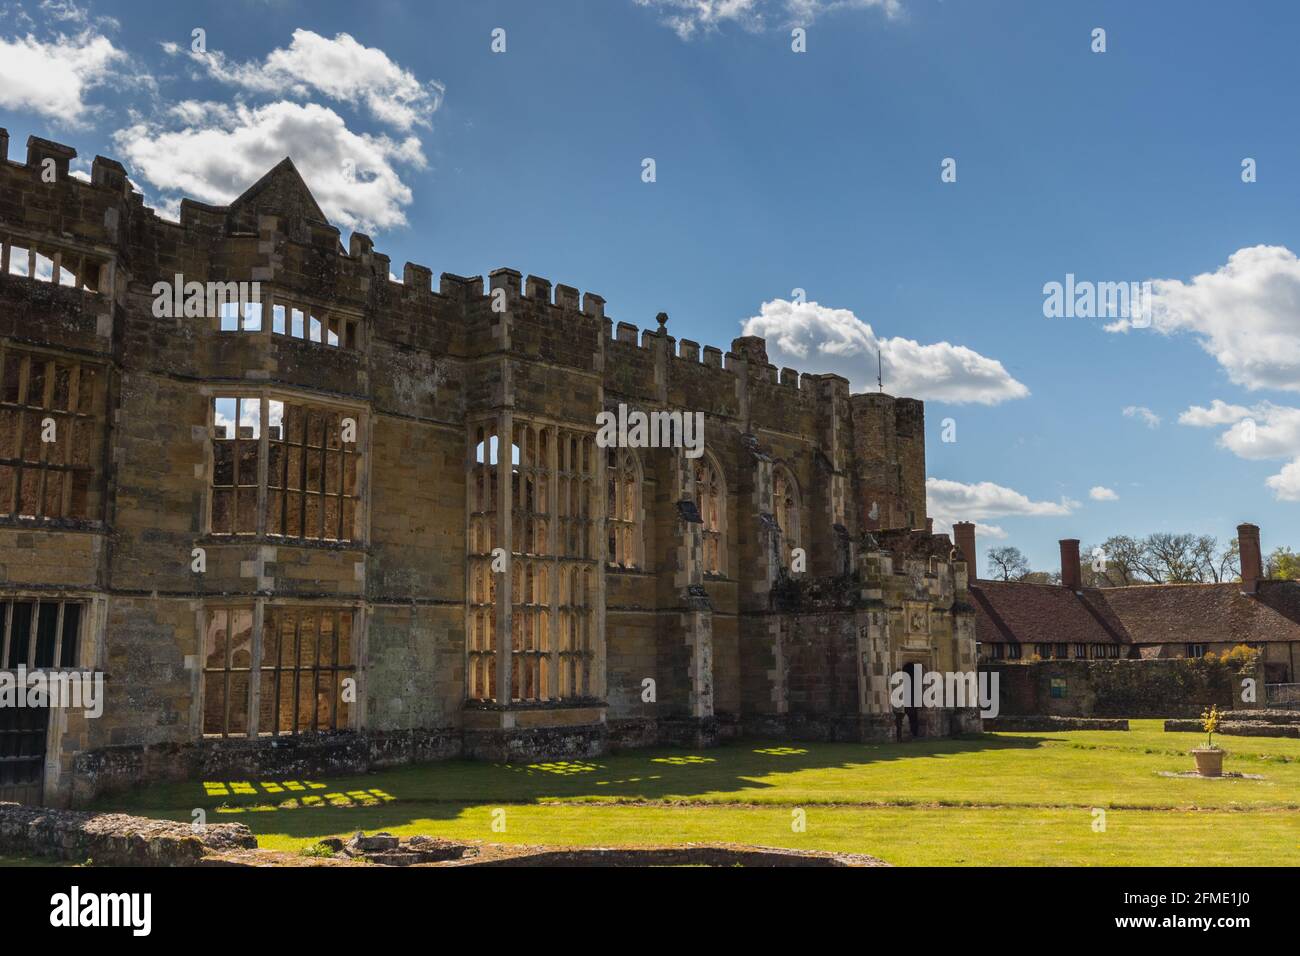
662 319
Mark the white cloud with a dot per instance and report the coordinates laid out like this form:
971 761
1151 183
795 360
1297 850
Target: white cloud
1243 314
944 526
1102 493
213 152
817 338
1262 432
52 77
689 17
950 501
341 69
1219 413
1143 414
1286 483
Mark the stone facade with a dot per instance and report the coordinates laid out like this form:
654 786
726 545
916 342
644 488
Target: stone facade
290 533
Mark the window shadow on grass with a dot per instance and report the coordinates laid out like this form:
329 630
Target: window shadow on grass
739 771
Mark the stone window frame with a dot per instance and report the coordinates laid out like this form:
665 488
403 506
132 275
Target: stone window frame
1196 649
360 460
555 482
82 412
30 658
713 514
275 319
624 509
57 254
788 511
345 325
260 612
90 657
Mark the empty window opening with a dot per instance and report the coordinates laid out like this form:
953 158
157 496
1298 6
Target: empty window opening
19 261
227 667
552 483
302 656
64 267
306 656
44 269
50 439
334 331
235 450
39 634
710 500
623 515
313 469
785 501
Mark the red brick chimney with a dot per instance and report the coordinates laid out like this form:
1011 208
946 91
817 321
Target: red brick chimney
1070 575
1252 566
963 535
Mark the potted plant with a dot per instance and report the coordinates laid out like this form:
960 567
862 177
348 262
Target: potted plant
1209 759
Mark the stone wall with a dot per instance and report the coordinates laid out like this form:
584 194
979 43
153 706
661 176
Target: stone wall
1180 687
114 839
114 769
1024 725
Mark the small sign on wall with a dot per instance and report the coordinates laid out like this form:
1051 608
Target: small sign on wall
1058 687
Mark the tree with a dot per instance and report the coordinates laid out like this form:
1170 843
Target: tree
1163 558
1008 563
1282 563
1041 577
1227 566
1118 564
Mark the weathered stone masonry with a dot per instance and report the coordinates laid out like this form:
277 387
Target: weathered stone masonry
348 455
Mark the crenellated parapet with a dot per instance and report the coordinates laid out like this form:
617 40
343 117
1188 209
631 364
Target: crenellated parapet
506 338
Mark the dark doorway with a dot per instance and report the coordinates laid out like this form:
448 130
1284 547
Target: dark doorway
22 753
913 714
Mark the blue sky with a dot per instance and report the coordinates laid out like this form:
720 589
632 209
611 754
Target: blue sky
777 171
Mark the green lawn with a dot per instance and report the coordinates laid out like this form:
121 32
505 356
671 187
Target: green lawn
991 799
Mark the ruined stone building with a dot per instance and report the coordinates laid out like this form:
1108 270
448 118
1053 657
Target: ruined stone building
364 520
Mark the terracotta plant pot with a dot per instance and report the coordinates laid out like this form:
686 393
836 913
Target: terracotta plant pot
1209 763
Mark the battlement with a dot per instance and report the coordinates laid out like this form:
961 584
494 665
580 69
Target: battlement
279 208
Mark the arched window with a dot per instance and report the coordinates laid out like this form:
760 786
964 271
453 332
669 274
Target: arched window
785 502
623 515
711 500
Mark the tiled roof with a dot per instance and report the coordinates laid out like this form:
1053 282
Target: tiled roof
1143 614
1009 611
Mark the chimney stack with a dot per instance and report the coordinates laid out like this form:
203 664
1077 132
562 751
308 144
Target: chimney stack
963 535
1252 566
1070 574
